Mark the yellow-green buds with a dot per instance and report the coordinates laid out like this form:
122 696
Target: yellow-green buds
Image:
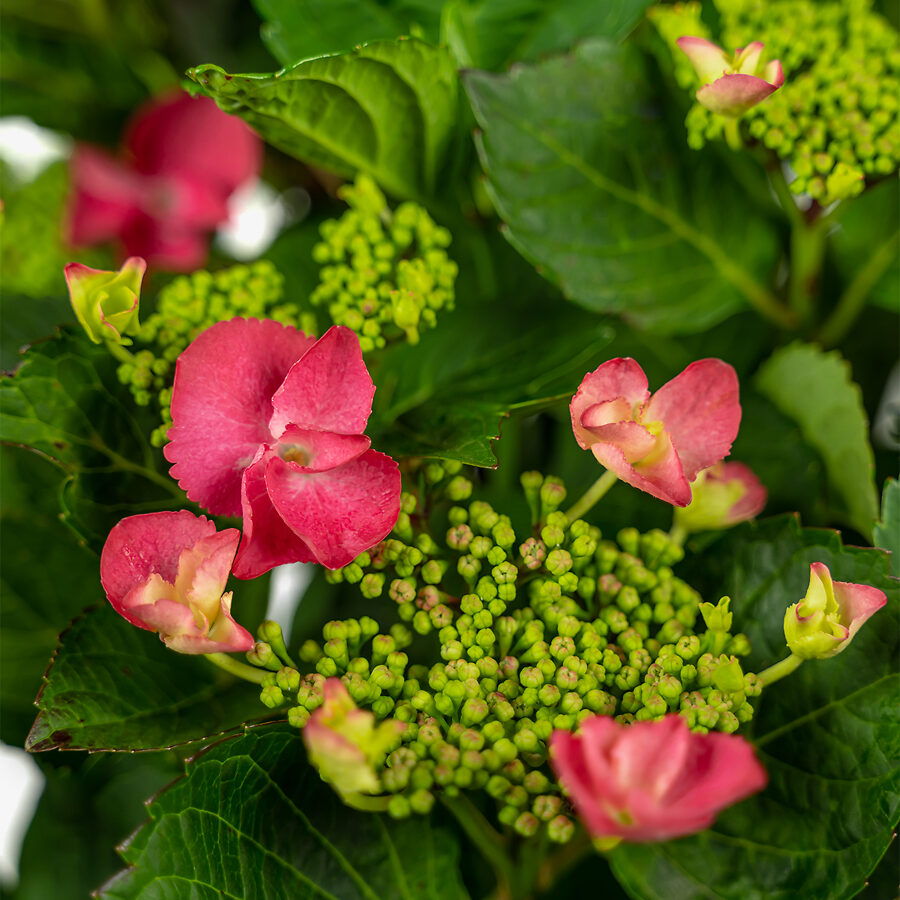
106 303
824 622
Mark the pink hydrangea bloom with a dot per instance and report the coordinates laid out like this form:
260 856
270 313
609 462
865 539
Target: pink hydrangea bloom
268 423
658 444
722 495
731 85
182 159
652 781
824 622
166 572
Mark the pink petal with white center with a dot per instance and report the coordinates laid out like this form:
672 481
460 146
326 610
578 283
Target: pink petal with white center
143 596
774 74
857 602
222 403
733 95
203 571
341 512
148 544
329 389
267 541
701 413
169 617
616 379
316 451
225 636
747 58
709 61
662 478
631 438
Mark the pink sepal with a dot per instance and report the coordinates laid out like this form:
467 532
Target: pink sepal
620 379
733 95
708 59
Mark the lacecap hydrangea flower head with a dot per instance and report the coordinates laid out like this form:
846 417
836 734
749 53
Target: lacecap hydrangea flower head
268 424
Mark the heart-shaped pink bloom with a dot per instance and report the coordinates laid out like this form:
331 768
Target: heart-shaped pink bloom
166 572
652 781
658 444
268 423
731 85
183 157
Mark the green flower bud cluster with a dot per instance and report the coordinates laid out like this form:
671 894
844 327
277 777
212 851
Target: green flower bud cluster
528 634
32 254
835 120
384 273
190 304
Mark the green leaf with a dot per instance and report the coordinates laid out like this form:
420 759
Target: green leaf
816 390
112 686
887 530
65 402
252 820
590 183
446 396
829 737
301 29
388 109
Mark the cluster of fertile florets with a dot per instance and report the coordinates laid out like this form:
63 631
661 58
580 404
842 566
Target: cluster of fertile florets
384 273
534 633
191 304
835 120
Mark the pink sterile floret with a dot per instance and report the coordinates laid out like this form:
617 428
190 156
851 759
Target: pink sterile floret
652 781
166 572
268 423
182 159
658 444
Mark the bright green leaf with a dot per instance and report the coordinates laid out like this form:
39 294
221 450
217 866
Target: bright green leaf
816 390
887 530
593 190
65 402
829 737
253 820
387 108
112 686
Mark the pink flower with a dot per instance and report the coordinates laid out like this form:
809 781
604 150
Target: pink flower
824 622
166 572
732 85
268 423
657 444
722 496
652 781
183 157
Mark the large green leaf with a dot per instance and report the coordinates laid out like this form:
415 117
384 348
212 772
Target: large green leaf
816 390
65 402
887 529
484 33
594 190
829 737
112 686
252 820
446 396
387 108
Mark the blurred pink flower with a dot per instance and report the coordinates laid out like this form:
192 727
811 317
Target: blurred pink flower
722 495
657 444
824 622
166 572
268 423
182 159
731 85
652 781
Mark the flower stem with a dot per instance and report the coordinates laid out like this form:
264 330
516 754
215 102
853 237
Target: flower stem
119 352
236 667
678 534
592 495
854 297
779 670
807 253
733 134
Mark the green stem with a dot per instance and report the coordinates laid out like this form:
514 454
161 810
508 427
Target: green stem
236 667
733 134
807 253
491 845
592 495
853 299
678 534
780 670
119 352
783 192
